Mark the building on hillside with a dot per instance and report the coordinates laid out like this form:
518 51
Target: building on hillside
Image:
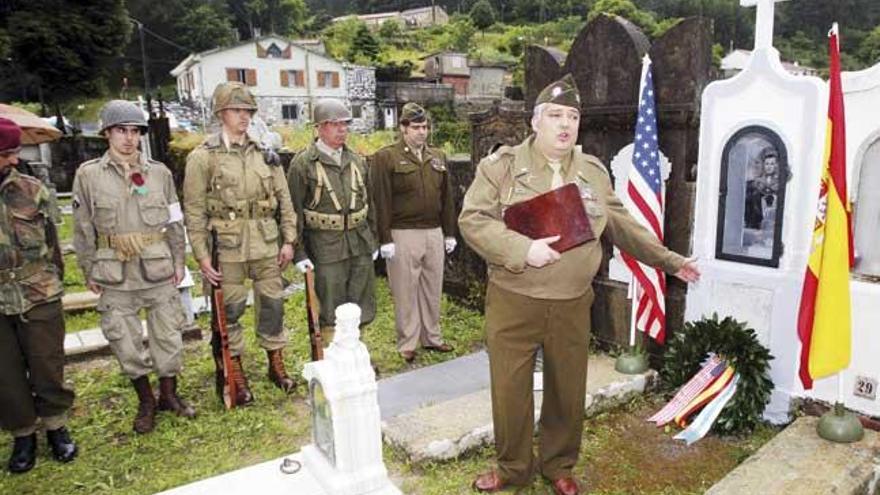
487 80
448 68
285 77
392 95
413 18
734 62
424 17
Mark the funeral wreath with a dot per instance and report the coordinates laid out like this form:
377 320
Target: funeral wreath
733 341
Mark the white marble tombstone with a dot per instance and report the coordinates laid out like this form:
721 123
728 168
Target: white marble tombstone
620 167
345 455
761 148
862 106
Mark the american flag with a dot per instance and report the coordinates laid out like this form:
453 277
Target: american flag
644 199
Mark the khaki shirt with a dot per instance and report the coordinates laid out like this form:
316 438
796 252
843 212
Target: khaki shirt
411 193
511 175
30 262
105 203
233 190
330 246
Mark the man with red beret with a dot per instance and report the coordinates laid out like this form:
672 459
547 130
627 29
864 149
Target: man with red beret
31 316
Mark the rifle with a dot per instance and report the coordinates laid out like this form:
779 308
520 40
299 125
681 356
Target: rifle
220 337
315 339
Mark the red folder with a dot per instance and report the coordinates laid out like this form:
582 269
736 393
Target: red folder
558 212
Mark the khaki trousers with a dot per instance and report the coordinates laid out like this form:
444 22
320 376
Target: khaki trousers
32 370
268 301
121 325
415 276
516 326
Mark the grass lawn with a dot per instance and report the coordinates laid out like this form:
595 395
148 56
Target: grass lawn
620 453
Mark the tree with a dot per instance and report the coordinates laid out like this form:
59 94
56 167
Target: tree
204 27
482 14
364 47
66 45
869 50
390 30
626 9
284 17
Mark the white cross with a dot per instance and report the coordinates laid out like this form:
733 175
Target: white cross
763 21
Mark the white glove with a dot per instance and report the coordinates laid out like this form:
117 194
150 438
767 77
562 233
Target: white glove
387 250
305 265
450 243
375 255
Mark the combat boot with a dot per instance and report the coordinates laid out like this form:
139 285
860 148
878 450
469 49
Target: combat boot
63 448
277 373
170 401
145 421
243 395
24 454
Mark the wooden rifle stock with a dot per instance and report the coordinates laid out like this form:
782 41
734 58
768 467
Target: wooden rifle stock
225 383
317 343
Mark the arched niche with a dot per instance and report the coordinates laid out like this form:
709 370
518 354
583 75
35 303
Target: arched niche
866 214
754 170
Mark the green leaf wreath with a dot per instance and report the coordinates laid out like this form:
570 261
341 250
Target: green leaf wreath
733 341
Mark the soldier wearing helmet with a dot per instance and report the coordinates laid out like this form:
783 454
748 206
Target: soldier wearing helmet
31 316
231 189
129 240
330 187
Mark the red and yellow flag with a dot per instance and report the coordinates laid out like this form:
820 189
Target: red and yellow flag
824 318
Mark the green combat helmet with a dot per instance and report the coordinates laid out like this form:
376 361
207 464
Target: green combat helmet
232 95
330 110
121 112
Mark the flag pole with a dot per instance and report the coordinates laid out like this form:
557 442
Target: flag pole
631 294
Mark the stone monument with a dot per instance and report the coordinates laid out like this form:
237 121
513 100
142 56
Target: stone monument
345 455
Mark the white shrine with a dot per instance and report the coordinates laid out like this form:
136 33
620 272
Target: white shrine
762 139
345 456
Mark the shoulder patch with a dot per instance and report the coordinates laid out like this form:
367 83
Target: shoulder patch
499 153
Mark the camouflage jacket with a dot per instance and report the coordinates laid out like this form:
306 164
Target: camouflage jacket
30 259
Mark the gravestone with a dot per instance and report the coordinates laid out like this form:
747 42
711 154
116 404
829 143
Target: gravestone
345 455
761 146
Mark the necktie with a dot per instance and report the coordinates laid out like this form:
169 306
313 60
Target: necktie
557 177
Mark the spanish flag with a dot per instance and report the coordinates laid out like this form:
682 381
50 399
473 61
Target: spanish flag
824 317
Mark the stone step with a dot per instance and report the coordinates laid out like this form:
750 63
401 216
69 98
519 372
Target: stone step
89 343
443 430
797 461
79 301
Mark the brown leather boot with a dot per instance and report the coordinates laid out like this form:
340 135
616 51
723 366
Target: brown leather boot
170 401
145 420
243 395
277 373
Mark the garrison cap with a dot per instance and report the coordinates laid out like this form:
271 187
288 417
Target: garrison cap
412 112
562 92
232 95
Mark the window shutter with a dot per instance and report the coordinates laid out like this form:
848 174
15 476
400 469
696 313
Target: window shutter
320 79
298 76
232 75
285 79
250 77
335 79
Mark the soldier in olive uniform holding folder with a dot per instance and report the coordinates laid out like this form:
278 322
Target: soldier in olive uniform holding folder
538 297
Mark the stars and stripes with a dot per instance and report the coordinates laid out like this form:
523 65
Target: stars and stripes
644 195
